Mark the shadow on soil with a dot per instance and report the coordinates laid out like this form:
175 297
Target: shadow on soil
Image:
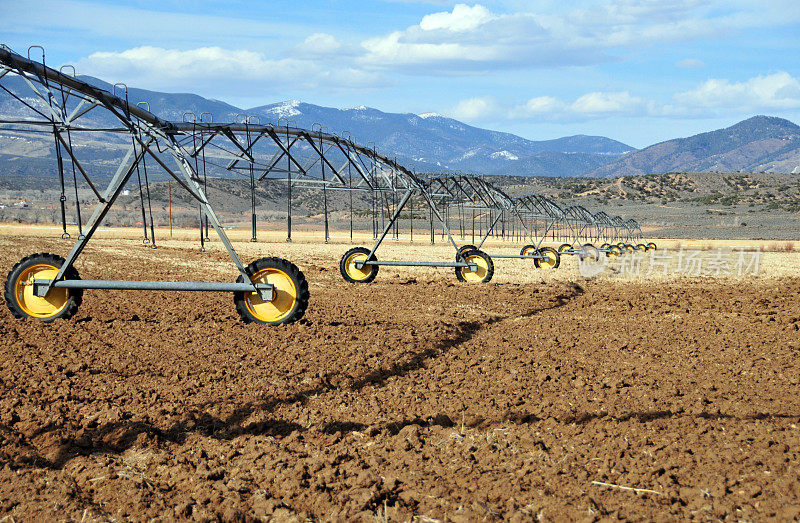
116 437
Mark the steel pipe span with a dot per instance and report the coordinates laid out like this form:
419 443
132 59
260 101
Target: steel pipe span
302 158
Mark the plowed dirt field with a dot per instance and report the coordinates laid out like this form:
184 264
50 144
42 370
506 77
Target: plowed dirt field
531 397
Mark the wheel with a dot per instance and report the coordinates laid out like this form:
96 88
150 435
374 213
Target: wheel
290 293
528 250
551 259
613 251
652 246
58 303
605 246
564 247
629 248
485 269
352 274
641 247
465 248
589 252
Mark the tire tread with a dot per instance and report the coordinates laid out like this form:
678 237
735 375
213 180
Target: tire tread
489 272
289 268
74 300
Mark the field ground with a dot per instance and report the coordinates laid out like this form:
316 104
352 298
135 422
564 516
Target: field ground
541 395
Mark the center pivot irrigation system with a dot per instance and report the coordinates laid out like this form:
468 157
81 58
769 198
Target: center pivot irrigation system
268 290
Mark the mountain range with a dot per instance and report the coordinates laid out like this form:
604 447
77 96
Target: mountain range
426 142
758 144
429 142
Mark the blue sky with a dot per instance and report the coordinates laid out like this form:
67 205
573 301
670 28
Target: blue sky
636 71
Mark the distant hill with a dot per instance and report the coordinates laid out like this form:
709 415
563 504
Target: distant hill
426 142
760 143
431 142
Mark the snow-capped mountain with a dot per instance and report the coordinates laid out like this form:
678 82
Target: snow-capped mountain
427 142
432 142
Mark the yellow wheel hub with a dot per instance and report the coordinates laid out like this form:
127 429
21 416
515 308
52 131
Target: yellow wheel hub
549 260
477 275
358 274
284 296
39 306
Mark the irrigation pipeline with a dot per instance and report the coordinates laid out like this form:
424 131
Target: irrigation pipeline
298 157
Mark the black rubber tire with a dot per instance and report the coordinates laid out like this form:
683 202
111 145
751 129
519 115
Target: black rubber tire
605 246
465 248
538 262
613 250
489 263
300 284
527 248
641 247
629 248
653 246
564 247
343 266
75 295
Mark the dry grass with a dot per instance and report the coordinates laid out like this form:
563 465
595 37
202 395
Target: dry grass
777 259
780 247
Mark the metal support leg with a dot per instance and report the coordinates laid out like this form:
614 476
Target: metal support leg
388 226
252 203
124 172
447 229
189 179
490 229
431 219
63 198
544 235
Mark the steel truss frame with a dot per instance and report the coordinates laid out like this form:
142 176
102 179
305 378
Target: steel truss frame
633 232
473 193
150 135
608 230
441 193
526 209
301 158
580 223
534 208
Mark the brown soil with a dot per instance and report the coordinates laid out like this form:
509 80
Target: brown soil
414 396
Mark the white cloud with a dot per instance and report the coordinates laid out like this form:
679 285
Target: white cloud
469 38
93 19
542 105
476 109
690 63
320 44
599 104
715 97
605 103
462 18
588 106
227 71
775 91
396 49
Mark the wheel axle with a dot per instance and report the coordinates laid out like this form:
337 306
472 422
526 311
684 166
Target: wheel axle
265 291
